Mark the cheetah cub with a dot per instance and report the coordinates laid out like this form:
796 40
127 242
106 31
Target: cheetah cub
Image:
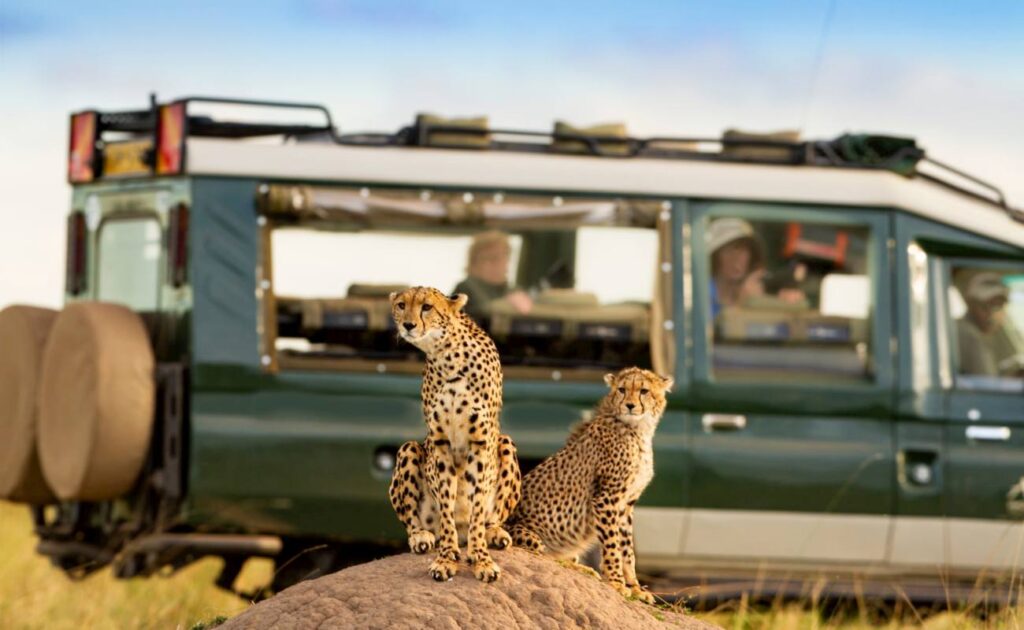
463 480
588 488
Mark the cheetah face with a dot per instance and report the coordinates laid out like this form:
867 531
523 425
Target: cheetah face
422 314
637 395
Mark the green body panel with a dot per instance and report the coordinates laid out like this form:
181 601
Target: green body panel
293 452
795 463
980 474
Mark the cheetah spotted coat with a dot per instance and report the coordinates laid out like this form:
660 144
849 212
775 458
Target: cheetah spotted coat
586 491
464 477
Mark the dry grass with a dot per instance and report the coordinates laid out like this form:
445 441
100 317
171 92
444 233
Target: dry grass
33 594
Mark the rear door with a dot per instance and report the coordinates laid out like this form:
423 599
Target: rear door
792 446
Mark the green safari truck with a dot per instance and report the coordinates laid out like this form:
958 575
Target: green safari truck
843 320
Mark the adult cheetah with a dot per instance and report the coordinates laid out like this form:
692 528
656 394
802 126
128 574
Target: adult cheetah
463 479
588 488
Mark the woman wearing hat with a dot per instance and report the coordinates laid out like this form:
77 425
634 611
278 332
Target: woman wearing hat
737 263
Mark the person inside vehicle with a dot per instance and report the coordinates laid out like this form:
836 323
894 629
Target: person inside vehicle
737 265
985 336
487 276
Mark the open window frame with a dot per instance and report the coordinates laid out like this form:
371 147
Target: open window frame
872 396
461 212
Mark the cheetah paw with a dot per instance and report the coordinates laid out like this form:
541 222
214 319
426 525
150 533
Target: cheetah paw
443 569
498 538
622 589
641 593
486 570
421 541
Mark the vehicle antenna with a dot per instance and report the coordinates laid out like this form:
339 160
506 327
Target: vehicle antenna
826 27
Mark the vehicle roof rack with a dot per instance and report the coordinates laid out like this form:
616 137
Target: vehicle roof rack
860 151
144 120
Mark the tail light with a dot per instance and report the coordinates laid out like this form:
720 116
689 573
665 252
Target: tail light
170 139
82 149
177 246
77 260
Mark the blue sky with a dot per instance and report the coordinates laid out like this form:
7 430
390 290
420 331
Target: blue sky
950 73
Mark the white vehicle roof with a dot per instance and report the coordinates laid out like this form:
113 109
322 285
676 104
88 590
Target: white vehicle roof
427 167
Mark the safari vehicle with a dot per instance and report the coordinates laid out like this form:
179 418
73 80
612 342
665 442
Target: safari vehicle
842 319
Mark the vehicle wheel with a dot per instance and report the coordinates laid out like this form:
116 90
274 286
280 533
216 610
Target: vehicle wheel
23 333
96 401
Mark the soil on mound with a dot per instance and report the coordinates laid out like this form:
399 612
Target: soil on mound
532 592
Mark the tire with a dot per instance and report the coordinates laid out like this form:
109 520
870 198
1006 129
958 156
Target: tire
96 402
23 334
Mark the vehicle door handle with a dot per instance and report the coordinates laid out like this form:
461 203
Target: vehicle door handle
988 434
723 422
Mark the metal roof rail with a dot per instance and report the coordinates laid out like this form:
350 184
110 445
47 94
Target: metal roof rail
899 155
144 121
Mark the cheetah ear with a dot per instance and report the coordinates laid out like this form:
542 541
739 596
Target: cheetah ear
667 383
457 301
393 295
609 379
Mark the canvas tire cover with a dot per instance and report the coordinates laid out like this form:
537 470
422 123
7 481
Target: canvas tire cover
96 401
23 333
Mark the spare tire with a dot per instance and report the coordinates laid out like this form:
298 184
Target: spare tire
96 401
23 333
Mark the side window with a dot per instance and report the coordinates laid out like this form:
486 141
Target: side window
128 264
788 300
986 317
568 288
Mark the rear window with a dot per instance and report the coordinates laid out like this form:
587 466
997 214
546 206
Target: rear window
128 262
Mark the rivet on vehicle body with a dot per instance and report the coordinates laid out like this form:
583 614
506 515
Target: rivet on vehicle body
666 206
265 359
669 324
556 375
425 195
381 368
499 198
557 201
261 220
263 189
364 192
467 197
666 267
973 415
265 284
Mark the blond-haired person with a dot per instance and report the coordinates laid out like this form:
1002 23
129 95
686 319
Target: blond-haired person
487 276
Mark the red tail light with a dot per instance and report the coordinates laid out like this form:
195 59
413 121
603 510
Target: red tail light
77 261
177 246
82 150
170 139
